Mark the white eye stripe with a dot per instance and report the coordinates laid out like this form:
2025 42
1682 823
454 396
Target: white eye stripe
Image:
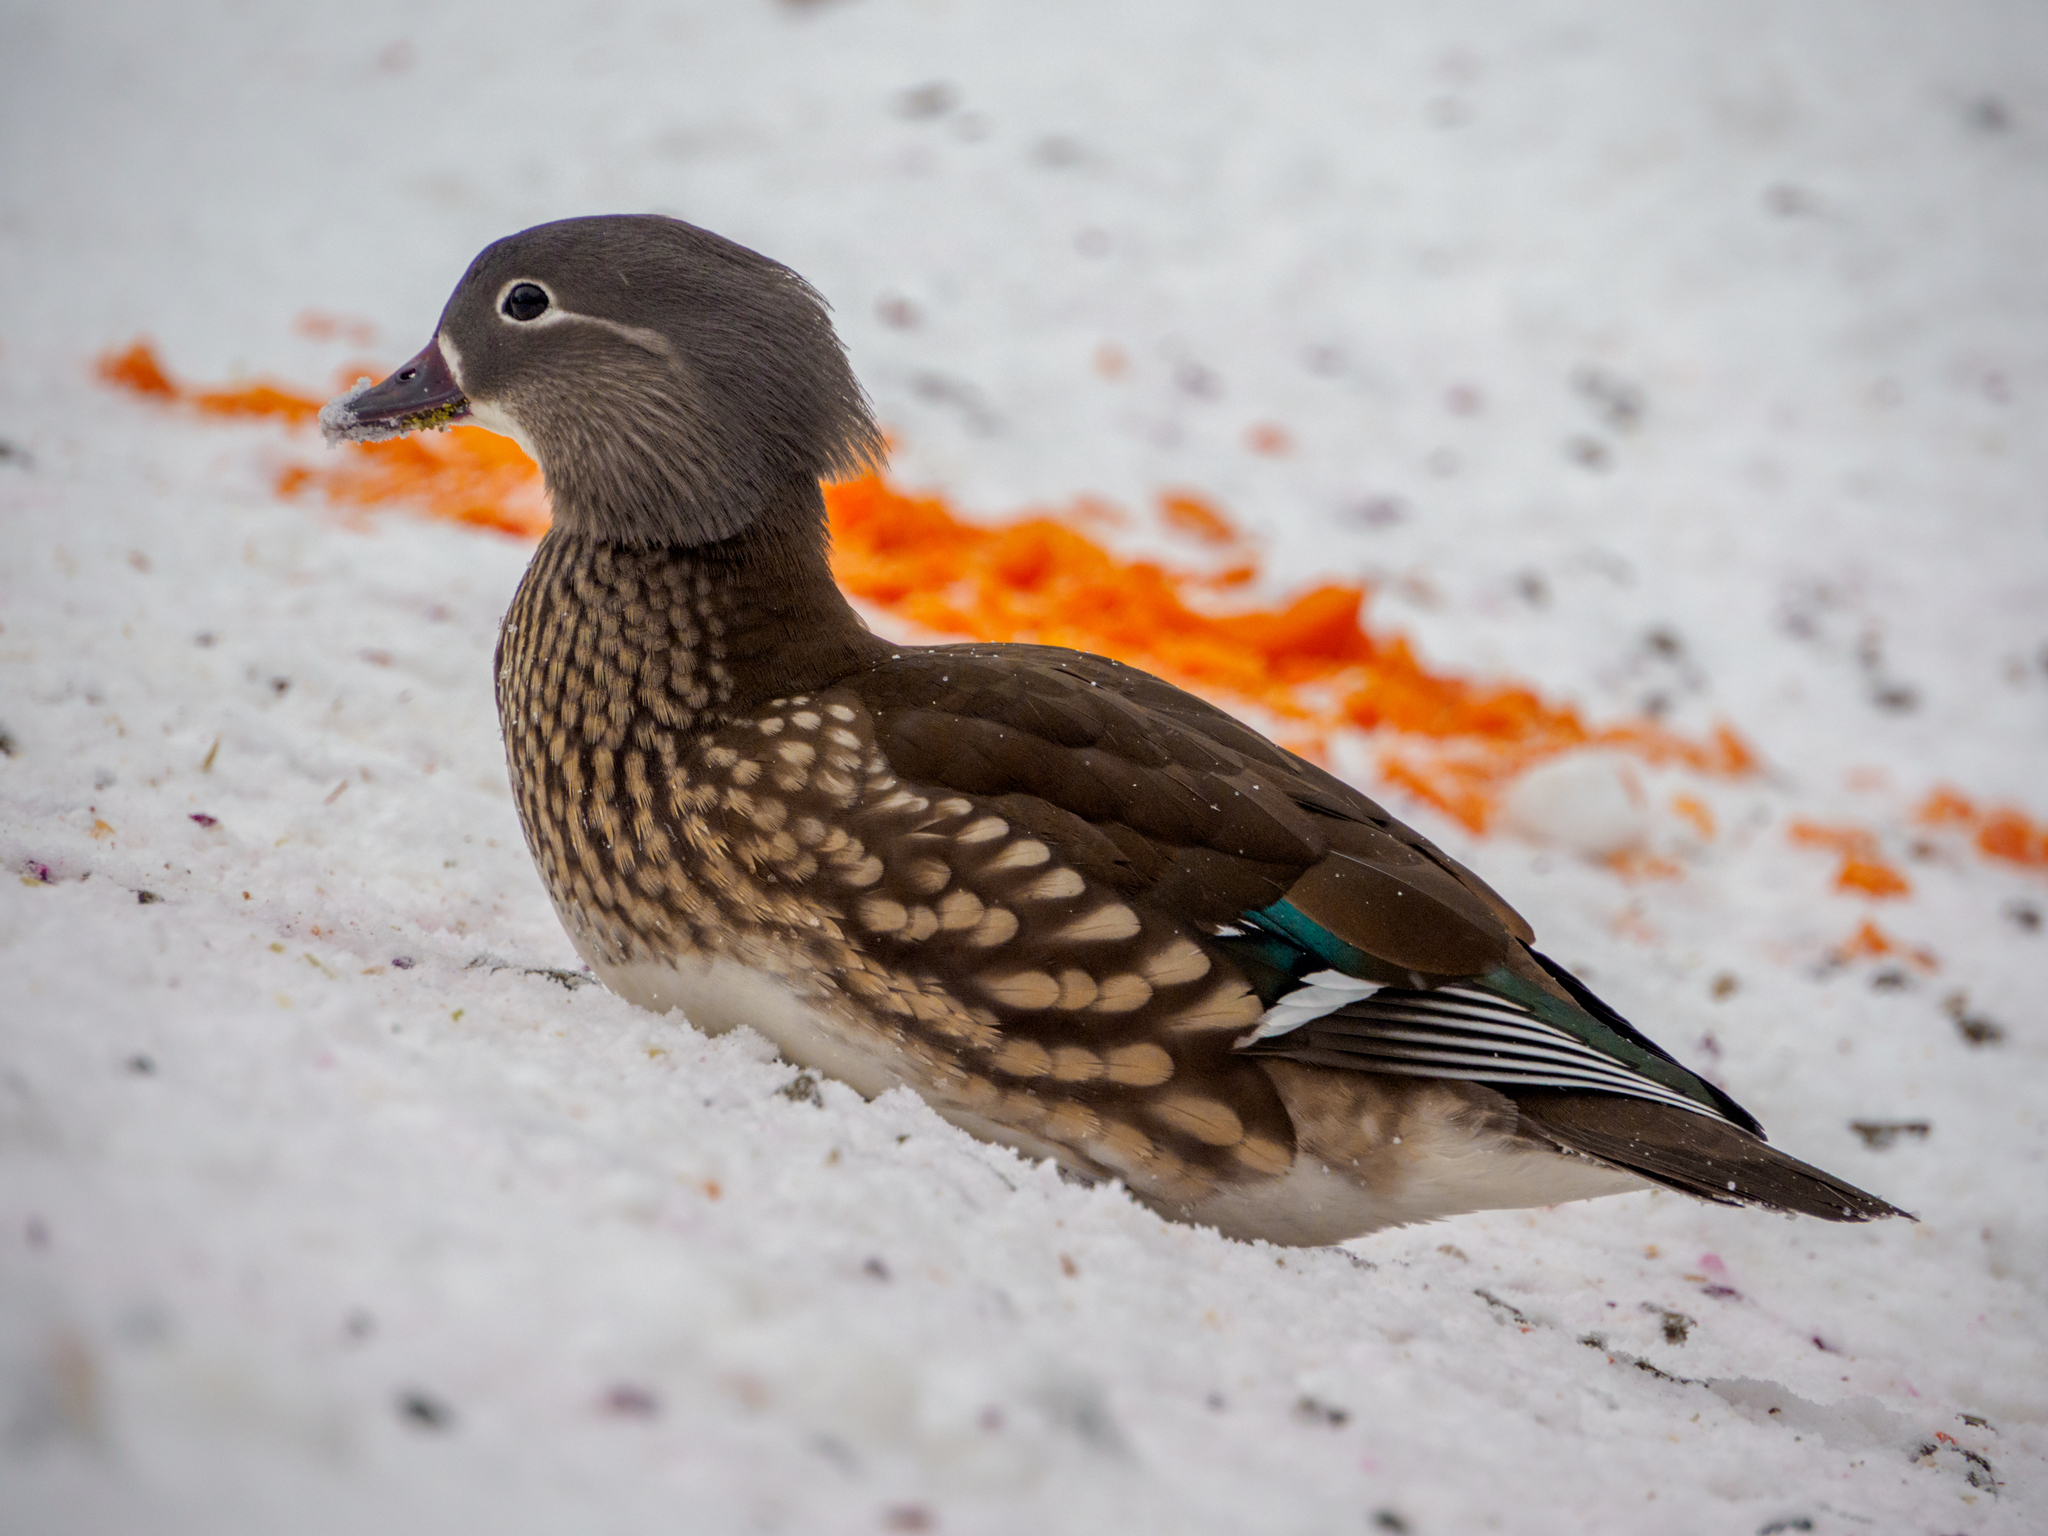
639 335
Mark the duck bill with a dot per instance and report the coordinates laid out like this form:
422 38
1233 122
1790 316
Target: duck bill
420 395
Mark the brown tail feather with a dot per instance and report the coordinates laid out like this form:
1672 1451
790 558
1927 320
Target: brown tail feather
1694 1154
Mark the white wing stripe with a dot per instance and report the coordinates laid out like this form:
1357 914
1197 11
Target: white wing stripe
1517 1067
1640 1089
1486 1069
1452 1032
1483 1050
1321 993
1559 1047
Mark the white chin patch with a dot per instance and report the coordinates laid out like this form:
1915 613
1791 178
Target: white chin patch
482 412
491 419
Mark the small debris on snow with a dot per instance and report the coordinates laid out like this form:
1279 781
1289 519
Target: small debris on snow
1975 1029
802 1089
1311 1411
627 1401
425 1412
1879 1135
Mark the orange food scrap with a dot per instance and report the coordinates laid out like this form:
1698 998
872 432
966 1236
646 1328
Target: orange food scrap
1633 864
1870 942
2010 835
255 400
1040 580
466 475
1100 511
1946 808
318 325
1185 512
1696 811
1631 924
1483 737
136 370
2004 832
1264 437
1242 575
1311 662
1873 877
1863 868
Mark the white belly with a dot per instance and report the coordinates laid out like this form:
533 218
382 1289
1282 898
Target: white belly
1442 1167
717 995
1311 1204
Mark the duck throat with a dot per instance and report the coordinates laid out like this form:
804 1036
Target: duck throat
604 638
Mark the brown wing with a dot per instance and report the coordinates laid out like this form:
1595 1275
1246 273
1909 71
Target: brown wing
1190 814
1172 802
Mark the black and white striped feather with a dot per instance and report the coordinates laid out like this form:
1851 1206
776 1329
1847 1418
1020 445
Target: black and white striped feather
1454 1032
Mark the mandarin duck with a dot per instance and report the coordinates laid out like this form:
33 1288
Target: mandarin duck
1079 911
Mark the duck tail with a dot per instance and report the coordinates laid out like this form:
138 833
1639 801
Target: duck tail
1692 1153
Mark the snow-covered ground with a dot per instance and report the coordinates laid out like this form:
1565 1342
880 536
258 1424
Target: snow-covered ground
1690 353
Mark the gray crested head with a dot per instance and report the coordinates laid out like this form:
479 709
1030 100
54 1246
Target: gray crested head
675 388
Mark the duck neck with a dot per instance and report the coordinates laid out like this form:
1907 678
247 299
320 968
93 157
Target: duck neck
714 630
787 628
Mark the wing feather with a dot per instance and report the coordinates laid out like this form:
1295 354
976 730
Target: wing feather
1457 1032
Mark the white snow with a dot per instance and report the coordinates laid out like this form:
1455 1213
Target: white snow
1689 357
339 422
1590 802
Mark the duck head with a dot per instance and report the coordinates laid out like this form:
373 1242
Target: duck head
675 388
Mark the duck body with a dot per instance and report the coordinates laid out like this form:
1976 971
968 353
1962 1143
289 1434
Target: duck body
1077 910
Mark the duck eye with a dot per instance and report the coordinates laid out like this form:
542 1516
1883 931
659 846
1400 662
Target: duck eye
526 301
